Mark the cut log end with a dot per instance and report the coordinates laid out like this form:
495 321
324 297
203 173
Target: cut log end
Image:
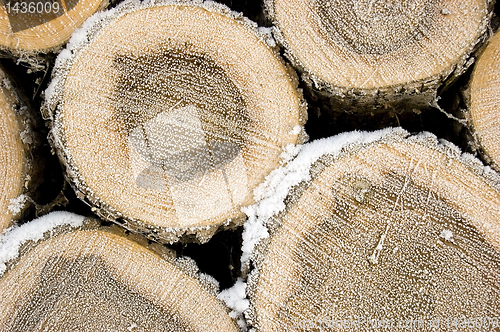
394 231
11 162
18 168
372 50
171 132
68 282
28 28
485 101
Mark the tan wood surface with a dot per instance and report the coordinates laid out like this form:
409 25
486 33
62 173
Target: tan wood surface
485 101
165 121
30 27
97 280
397 231
367 52
20 163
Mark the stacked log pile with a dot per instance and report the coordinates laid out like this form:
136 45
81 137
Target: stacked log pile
192 199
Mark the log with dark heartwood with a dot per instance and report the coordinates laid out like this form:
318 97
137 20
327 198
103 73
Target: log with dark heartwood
164 122
387 227
76 276
177 119
378 55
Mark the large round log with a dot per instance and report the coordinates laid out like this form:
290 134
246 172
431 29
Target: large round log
484 102
168 115
20 163
387 54
31 27
89 278
383 230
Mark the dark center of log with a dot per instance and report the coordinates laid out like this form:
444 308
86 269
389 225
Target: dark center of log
80 295
181 111
373 26
394 252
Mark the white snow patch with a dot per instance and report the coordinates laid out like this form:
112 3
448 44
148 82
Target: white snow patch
271 194
289 152
296 130
12 239
235 299
267 35
447 235
17 204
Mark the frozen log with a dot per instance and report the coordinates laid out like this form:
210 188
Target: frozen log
388 228
31 27
20 163
484 102
379 55
168 115
84 277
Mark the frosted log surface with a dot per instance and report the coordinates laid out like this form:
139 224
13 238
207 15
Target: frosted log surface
391 46
167 115
92 279
402 229
18 143
485 101
41 26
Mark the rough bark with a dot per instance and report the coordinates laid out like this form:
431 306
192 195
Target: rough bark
379 55
401 229
86 277
164 122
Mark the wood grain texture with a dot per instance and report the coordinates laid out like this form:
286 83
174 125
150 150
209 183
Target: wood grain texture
46 28
485 101
95 279
398 230
375 54
170 128
20 164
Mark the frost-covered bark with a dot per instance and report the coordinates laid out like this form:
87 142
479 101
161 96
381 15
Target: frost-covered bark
366 228
169 131
66 273
390 54
20 162
484 102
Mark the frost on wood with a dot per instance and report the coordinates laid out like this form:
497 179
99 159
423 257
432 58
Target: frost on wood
25 32
14 237
178 126
197 124
93 279
402 228
236 299
485 102
19 161
364 48
271 194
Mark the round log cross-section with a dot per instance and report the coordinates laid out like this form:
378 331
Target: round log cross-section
98 280
398 231
380 53
20 164
169 116
485 101
29 27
